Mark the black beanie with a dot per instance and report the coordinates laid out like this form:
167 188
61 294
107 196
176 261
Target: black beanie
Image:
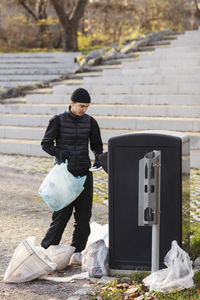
81 95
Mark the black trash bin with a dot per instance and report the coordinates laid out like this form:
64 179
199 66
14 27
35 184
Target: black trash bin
130 244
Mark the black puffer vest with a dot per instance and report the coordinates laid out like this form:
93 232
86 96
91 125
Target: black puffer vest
74 132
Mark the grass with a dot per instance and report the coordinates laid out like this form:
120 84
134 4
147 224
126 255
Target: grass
119 288
135 289
195 241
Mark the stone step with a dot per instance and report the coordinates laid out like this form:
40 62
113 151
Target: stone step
175 52
43 55
21 132
170 89
156 70
187 42
28 147
189 39
28 109
112 122
72 81
164 64
22 147
189 34
35 69
190 42
146 123
33 148
107 109
47 91
173 99
31 62
47 99
12 84
188 54
25 77
142 79
37 133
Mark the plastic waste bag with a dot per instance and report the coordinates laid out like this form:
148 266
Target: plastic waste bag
177 276
60 254
60 187
79 276
27 263
95 259
98 232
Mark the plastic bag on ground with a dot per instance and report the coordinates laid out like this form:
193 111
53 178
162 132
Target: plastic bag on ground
98 232
60 187
76 259
60 254
177 276
80 276
95 259
27 263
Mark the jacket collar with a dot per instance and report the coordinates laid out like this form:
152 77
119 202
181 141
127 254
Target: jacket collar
73 116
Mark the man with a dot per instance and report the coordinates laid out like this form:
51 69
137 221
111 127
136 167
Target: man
67 137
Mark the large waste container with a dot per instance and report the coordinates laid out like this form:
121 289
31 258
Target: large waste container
130 244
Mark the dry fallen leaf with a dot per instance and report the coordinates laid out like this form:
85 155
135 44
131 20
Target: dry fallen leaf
141 297
131 290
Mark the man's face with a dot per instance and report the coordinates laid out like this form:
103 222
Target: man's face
78 108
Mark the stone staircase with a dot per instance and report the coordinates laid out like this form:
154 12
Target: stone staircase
158 89
23 69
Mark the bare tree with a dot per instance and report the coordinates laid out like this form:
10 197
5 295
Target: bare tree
38 11
3 35
197 13
69 21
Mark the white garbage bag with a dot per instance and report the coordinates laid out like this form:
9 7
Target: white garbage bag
95 259
27 263
60 254
98 232
177 276
60 187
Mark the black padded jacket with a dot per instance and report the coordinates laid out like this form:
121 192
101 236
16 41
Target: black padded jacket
72 134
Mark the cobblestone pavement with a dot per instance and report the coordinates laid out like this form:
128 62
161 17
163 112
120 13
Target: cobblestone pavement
44 165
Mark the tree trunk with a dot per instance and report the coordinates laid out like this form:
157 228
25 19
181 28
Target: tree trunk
3 35
70 38
69 23
197 14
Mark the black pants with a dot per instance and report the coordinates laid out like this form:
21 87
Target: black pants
82 207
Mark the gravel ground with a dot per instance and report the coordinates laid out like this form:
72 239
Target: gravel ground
24 214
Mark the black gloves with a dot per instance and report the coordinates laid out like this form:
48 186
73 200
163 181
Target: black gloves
96 166
62 155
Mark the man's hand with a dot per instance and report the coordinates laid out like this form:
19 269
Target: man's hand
62 155
96 166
